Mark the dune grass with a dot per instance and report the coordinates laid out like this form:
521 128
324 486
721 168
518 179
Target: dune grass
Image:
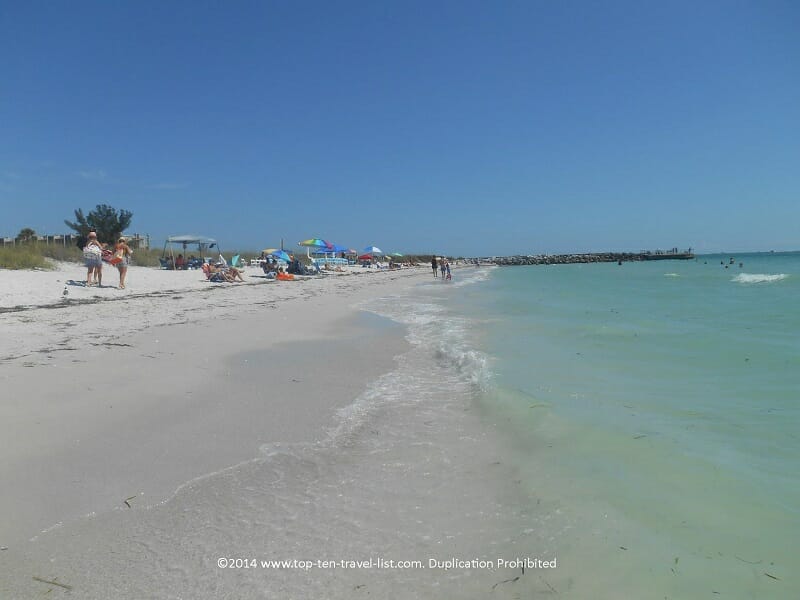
23 257
41 256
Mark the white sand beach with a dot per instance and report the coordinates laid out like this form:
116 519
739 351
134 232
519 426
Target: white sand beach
112 388
111 393
152 431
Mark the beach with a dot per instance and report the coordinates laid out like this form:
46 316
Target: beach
113 399
165 440
517 432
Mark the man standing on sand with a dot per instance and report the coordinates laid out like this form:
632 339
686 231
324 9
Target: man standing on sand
433 266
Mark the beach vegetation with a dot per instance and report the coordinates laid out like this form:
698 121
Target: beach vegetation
59 252
23 256
26 235
105 220
146 257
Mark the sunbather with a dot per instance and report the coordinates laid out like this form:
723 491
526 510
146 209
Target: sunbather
218 273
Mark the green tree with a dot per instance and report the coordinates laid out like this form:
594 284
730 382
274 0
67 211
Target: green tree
25 235
108 222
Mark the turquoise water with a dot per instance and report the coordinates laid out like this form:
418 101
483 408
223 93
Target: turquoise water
654 407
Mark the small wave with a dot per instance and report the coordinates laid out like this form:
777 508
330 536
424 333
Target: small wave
471 363
671 275
759 278
465 277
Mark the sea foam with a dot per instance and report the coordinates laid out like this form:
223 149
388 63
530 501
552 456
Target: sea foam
759 278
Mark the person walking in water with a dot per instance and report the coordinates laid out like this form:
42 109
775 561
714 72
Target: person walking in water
433 266
122 255
442 263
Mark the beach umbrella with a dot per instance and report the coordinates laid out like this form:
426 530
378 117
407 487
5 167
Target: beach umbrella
320 245
315 243
372 250
281 255
365 257
396 254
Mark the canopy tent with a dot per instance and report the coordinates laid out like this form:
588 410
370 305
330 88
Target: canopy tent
184 241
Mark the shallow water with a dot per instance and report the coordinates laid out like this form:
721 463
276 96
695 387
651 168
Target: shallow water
659 402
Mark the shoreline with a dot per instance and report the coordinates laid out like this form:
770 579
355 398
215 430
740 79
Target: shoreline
85 432
376 475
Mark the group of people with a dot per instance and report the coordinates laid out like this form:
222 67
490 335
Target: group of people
181 263
93 256
272 267
442 265
221 272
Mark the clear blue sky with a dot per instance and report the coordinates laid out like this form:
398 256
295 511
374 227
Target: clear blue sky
452 127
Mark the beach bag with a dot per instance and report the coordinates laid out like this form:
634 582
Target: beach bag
119 256
92 252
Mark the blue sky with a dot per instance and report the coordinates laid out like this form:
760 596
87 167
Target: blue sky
452 127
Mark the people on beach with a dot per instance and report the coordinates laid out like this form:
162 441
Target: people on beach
442 263
218 272
180 262
230 274
233 274
93 255
434 267
447 268
122 255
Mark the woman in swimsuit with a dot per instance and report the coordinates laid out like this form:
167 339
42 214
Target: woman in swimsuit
122 255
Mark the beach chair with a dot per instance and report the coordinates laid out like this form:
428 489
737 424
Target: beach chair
217 277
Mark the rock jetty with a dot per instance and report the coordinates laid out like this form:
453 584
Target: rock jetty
563 259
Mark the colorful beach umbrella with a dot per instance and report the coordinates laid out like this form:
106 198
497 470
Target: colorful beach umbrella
372 250
281 255
319 244
396 254
315 243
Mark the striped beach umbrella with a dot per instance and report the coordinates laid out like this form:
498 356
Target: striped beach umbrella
315 243
320 245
